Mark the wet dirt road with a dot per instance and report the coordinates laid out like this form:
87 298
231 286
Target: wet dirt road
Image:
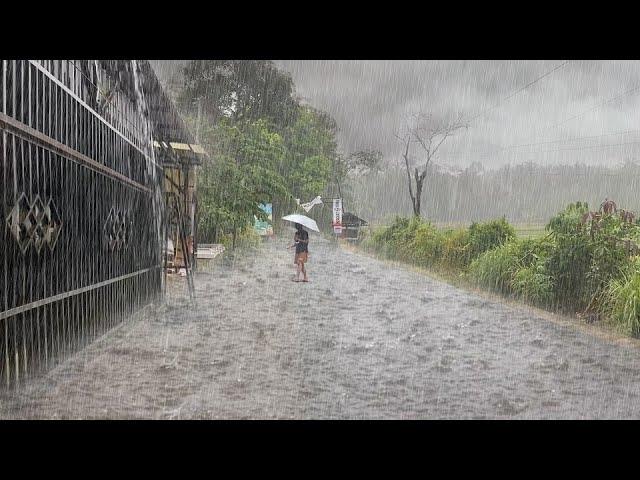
364 340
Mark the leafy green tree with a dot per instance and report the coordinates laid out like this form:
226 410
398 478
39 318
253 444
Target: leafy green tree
264 146
239 176
311 151
242 90
310 159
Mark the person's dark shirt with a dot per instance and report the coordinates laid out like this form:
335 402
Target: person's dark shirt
300 246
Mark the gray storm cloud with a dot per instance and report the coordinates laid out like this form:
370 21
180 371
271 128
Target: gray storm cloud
372 99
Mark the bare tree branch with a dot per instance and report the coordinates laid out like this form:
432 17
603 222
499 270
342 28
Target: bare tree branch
426 133
407 140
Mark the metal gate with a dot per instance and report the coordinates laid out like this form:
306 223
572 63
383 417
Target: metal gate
81 207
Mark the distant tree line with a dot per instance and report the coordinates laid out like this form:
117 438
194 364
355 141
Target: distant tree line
524 193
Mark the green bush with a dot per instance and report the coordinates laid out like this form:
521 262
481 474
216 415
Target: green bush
402 240
608 261
495 269
584 261
622 301
364 234
426 246
372 241
516 267
395 241
569 220
575 267
568 264
368 244
418 242
489 235
384 239
377 239
533 284
455 249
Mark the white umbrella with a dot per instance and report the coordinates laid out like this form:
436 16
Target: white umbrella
302 220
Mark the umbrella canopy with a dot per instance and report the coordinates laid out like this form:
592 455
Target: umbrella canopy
310 223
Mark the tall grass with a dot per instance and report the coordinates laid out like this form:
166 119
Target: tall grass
421 243
496 269
622 301
572 267
533 285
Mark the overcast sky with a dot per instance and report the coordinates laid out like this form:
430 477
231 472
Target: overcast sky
371 100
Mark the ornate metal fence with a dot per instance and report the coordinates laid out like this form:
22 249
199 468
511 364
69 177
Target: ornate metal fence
81 207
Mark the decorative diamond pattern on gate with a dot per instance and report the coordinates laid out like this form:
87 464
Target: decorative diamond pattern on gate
55 224
117 229
34 224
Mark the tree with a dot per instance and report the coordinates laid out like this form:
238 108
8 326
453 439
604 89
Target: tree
265 147
429 134
242 90
240 175
365 161
311 154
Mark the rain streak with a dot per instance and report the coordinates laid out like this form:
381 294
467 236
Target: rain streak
253 239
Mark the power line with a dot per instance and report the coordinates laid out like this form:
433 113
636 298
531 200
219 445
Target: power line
567 140
587 148
595 107
518 91
595 174
571 139
484 154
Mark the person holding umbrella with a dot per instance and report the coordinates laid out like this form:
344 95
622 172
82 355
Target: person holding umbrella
301 242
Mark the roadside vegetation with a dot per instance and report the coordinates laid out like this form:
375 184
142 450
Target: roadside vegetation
264 146
584 263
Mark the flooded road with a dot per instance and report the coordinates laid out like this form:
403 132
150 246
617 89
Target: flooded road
364 340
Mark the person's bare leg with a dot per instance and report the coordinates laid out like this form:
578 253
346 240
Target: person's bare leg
304 272
298 268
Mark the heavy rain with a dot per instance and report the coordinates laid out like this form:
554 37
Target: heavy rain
253 239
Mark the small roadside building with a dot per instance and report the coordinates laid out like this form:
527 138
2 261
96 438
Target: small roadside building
178 154
351 226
